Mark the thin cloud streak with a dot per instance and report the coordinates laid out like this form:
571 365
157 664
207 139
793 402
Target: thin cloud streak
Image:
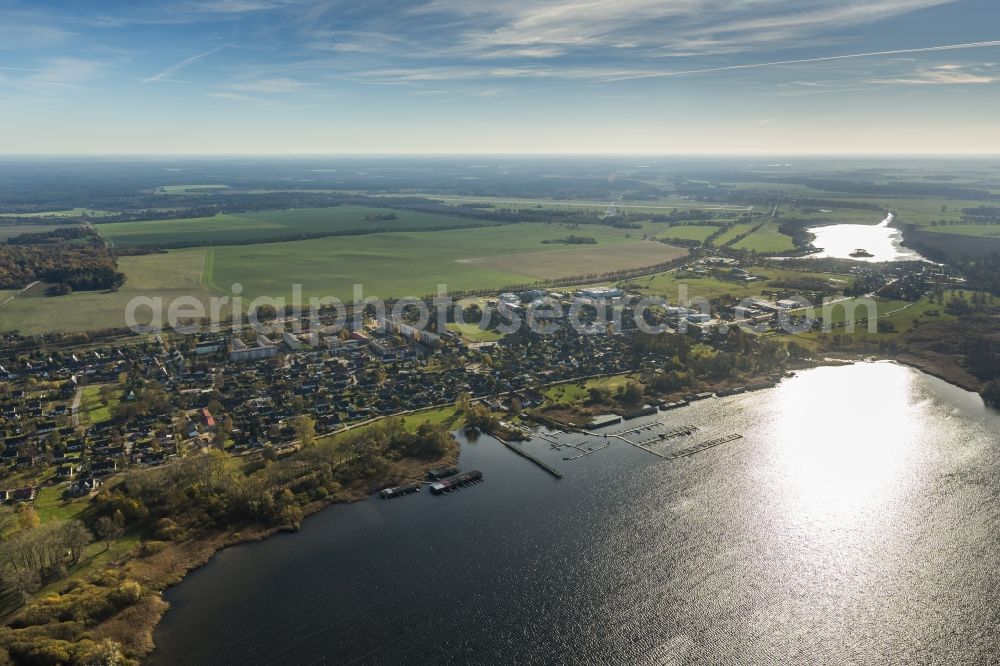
176 67
847 56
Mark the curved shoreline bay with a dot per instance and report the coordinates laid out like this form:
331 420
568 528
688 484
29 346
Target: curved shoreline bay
857 519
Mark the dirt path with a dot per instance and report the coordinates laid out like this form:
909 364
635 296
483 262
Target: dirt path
75 407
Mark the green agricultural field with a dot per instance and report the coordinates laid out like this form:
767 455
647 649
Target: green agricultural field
8 231
281 224
766 240
924 211
73 212
834 216
982 230
387 264
413 264
697 232
188 189
659 206
733 232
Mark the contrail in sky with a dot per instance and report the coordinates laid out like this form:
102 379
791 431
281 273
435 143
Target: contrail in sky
176 67
925 49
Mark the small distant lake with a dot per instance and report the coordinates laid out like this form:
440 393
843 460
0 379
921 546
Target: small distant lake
884 242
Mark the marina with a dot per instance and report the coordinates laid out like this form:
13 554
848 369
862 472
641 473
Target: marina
452 483
776 513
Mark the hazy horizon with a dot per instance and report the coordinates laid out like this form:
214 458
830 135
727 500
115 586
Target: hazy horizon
609 155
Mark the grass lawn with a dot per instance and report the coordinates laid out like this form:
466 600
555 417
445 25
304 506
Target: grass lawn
903 315
446 416
244 227
50 506
574 392
857 308
766 240
473 333
710 287
96 555
91 408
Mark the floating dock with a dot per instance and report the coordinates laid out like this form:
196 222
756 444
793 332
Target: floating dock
587 452
682 431
541 463
456 482
399 491
697 448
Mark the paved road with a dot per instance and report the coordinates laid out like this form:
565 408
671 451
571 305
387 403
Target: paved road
13 296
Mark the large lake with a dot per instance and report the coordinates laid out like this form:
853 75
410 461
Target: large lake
856 521
880 240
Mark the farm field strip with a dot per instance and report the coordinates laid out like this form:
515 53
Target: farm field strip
8 231
231 228
766 239
413 264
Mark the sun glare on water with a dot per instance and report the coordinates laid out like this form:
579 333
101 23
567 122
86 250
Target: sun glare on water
845 448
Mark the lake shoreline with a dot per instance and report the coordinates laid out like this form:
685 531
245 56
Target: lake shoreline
159 568
678 494
190 556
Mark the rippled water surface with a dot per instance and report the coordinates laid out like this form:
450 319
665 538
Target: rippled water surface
857 520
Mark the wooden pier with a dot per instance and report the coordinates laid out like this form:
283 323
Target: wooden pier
541 463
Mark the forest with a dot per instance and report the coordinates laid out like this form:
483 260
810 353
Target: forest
68 266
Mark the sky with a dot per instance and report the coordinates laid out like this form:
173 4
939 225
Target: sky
499 76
